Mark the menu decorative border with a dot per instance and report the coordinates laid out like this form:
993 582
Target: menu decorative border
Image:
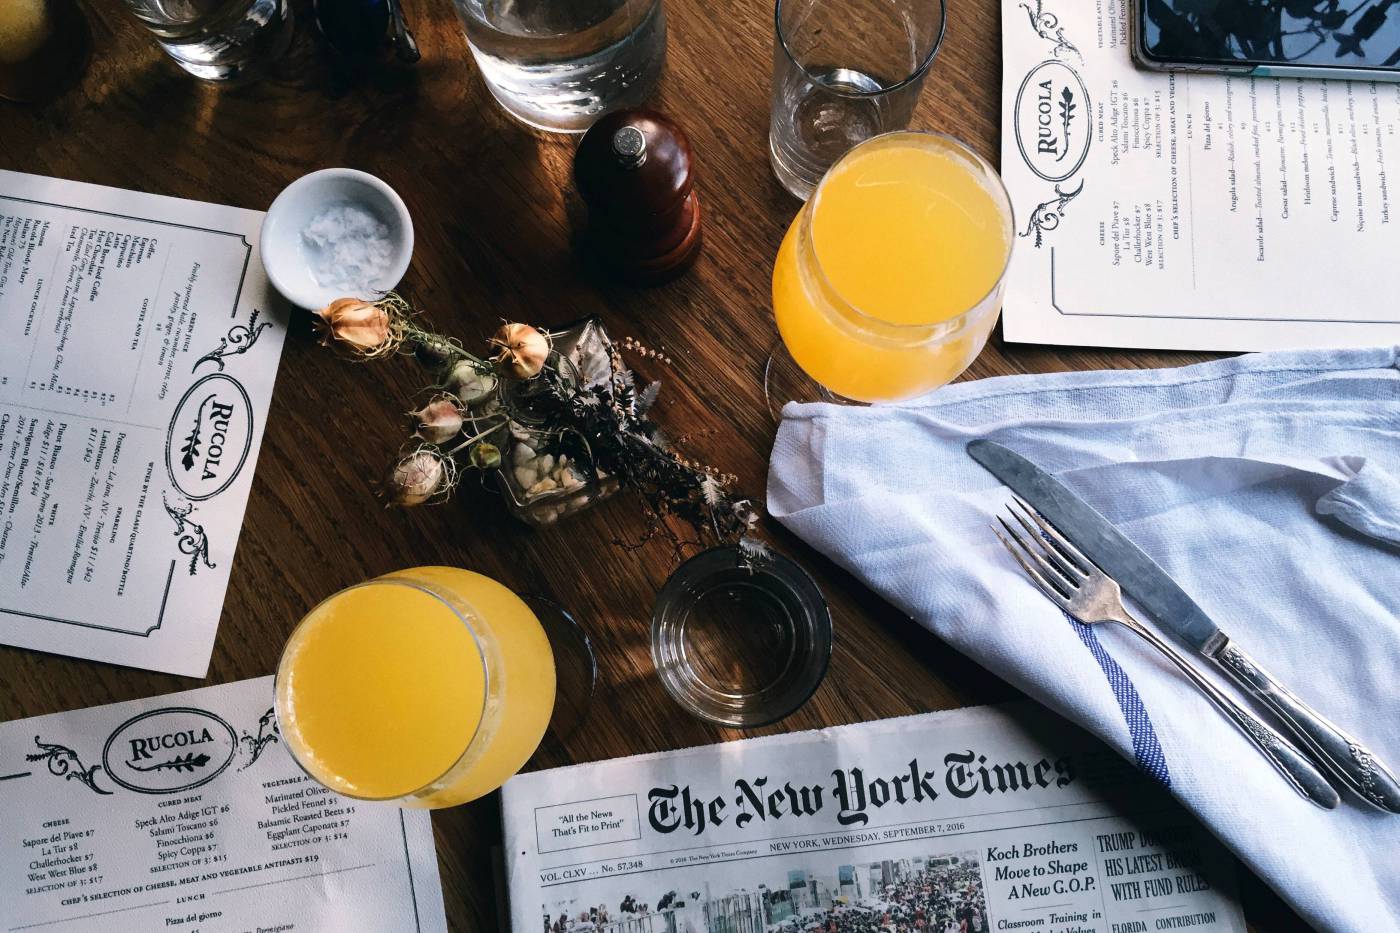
239 340
1055 303
63 762
160 617
233 313
1047 26
247 247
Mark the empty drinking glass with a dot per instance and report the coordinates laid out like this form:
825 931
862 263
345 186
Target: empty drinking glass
844 71
740 638
218 40
559 65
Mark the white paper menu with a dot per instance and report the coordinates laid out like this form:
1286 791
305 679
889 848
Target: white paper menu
1189 212
139 341
186 813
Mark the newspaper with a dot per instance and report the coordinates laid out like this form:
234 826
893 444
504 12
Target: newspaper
981 819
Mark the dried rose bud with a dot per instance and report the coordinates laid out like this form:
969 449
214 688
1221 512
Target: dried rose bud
523 349
417 478
469 383
433 351
438 421
486 456
362 325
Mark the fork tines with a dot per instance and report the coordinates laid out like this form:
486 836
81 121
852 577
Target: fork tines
1055 565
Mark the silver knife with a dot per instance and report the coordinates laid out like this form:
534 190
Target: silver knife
1346 759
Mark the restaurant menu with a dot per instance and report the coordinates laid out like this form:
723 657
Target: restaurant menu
186 813
139 341
1197 212
986 818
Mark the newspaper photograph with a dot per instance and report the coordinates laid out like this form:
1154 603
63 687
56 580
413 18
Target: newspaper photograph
981 819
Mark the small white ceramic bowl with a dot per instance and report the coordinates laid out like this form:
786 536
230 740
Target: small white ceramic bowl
286 256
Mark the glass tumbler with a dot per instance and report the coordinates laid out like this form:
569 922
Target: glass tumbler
559 65
218 40
844 71
739 638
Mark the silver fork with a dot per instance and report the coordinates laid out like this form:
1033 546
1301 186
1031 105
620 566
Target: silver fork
1082 589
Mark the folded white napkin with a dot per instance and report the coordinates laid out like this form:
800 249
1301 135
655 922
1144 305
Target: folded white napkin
1268 486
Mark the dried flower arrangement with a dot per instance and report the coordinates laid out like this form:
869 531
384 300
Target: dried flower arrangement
555 415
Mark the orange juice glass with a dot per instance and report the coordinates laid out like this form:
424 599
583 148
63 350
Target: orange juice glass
428 687
890 279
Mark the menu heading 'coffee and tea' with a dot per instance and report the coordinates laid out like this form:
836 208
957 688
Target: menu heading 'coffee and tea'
1196 212
140 346
185 812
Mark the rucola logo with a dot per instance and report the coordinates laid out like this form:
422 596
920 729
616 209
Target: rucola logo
210 436
144 750
1052 120
169 750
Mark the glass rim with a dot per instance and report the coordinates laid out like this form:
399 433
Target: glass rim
387 580
691 693
468 21
874 321
917 74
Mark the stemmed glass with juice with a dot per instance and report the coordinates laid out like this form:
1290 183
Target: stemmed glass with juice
891 277
429 688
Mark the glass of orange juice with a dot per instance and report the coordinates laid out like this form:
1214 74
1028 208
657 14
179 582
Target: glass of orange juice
890 279
428 687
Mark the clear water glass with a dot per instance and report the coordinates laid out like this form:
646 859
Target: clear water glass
740 639
218 40
844 71
559 65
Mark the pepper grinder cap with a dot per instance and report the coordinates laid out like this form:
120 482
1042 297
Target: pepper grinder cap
630 146
634 163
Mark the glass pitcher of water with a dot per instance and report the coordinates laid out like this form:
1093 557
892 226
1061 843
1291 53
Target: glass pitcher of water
561 64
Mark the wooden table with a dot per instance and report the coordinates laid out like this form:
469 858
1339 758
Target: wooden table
494 214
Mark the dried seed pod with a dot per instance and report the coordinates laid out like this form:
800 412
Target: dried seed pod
523 349
438 421
434 352
418 477
363 326
486 456
469 383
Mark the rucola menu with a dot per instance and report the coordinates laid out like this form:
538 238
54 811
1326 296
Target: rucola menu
140 341
186 813
1194 212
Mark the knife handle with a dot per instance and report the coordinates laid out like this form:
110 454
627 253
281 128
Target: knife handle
1295 767
1344 757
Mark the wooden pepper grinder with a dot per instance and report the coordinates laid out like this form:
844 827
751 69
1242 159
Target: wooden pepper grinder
635 171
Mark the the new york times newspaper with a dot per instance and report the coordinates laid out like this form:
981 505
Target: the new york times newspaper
975 820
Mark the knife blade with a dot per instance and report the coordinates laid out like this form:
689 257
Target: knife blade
1138 574
1174 610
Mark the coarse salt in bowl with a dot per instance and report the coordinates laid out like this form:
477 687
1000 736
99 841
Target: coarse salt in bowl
336 233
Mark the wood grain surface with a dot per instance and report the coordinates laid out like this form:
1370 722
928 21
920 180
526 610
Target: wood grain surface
494 216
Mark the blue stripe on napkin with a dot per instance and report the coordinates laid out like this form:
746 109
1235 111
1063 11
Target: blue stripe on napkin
1146 749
